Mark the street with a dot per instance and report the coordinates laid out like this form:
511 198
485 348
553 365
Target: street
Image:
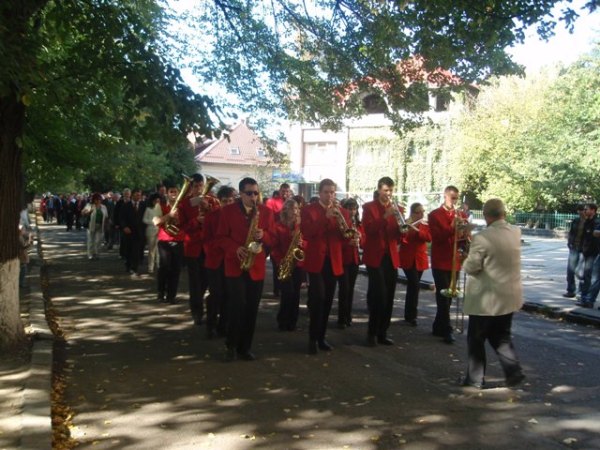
140 375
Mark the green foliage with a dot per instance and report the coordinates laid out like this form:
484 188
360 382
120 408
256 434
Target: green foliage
105 103
311 60
534 142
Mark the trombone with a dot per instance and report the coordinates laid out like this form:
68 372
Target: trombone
453 290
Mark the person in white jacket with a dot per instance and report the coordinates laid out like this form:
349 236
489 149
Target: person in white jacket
98 214
493 293
152 211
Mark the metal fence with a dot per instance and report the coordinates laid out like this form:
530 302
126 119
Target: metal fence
548 221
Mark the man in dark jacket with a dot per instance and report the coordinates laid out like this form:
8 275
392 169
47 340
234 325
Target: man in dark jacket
574 242
132 227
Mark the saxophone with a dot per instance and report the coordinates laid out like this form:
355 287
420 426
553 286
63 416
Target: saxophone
253 247
294 253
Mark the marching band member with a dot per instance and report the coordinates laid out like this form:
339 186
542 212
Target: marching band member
323 225
243 227
414 259
380 255
351 260
286 240
191 215
170 248
442 222
216 302
275 204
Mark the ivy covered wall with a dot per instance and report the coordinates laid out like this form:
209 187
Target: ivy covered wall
419 161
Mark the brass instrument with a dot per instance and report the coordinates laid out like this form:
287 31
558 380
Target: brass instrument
402 225
212 201
170 226
294 253
253 247
453 291
347 231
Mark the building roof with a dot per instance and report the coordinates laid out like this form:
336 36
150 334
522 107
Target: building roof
240 145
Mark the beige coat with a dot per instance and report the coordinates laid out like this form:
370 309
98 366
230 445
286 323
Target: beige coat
494 269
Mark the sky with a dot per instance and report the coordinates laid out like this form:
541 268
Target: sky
563 47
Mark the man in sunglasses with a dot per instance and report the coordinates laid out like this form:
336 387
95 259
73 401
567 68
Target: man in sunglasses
244 226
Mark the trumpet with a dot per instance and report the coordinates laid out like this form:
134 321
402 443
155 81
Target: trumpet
402 225
347 231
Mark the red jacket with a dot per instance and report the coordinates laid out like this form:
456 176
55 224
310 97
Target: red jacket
212 250
323 238
441 226
381 235
232 232
413 248
282 238
162 234
192 228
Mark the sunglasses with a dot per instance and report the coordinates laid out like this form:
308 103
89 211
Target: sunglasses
249 193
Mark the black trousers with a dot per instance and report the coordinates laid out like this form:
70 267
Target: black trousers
441 323
380 296
243 299
346 294
198 284
132 246
216 302
413 286
289 304
321 290
170 254
496 330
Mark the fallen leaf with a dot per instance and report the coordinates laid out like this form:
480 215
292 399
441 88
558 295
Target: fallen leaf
532 421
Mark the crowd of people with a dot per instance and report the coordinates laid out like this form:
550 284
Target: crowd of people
225 238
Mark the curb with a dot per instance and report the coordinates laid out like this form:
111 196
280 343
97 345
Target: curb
572 315
36 420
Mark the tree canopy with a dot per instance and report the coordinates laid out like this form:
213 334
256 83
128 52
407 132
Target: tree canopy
298 58
534 142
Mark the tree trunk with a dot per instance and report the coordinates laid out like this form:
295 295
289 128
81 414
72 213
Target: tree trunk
12 117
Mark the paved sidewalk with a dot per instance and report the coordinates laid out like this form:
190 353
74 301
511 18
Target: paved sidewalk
26 425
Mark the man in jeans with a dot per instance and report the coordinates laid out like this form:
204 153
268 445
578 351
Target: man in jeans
574 243
589 250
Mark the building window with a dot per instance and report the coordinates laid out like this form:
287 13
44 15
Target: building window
374 104
261 153
234 150
442 101
319 153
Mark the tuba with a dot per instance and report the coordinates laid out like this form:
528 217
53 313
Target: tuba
170 226
294 253
253 247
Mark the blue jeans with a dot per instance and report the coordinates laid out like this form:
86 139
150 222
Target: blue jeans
573 262
592 292
588 264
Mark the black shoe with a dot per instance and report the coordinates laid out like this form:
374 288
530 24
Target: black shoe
385 341
449 339
324 345
312 347
439 333
171 301
197 319
412 322
569 294
161 299
468 383
349 323
371 341
515 380
584 304
247 356
230 355
341 325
